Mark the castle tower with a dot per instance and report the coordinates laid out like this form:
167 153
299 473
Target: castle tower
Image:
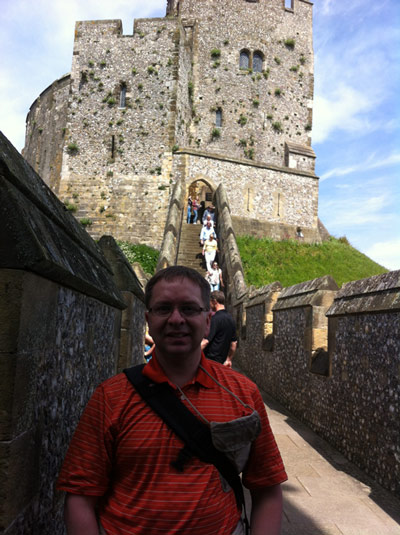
218 91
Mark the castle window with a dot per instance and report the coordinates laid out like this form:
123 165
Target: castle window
218 118
289 4
112 147
257 62
122 97
244 61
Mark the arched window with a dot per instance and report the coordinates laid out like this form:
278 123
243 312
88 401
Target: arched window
244 62
218 118
122 97
257 62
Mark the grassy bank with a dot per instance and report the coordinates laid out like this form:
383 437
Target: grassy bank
291 262
146 256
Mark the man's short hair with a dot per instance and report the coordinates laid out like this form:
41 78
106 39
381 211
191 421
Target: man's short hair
218 296
178 272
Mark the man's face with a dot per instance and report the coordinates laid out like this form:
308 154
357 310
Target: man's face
177 336
208 224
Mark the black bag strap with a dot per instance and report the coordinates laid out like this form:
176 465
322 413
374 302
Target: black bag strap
195 434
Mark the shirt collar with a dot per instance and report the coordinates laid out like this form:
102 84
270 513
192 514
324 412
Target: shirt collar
154 371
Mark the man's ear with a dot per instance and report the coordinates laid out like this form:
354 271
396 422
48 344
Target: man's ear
208 324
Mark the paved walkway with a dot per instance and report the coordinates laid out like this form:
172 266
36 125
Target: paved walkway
326 494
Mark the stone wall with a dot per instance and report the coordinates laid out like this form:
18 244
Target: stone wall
46 131
279 198
260 110
67 321
341 380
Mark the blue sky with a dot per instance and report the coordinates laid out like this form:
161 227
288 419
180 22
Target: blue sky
356 128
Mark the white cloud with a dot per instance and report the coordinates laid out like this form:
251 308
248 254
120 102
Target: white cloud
355 211
371 163
386 253
345 109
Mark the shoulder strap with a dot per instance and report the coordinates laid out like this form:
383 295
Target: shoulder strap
195 434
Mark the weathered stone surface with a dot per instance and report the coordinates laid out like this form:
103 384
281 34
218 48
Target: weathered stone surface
39 235
378 293
342 382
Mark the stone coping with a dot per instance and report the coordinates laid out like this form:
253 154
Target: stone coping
379 293
41 236
260 165
309 293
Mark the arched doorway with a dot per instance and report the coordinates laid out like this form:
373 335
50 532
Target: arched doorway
201 190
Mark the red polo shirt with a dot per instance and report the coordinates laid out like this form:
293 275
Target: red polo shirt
121 451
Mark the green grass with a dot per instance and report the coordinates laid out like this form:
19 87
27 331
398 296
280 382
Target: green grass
291 262
146 256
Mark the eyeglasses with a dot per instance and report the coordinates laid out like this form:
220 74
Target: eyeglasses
188 311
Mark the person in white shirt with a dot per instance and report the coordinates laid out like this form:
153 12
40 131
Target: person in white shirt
206 231
214 277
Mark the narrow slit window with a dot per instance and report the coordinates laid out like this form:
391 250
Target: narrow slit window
218 118
244 62
288 4
257 62
112 147
122 97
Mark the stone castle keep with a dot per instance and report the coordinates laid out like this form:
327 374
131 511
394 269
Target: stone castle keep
217 92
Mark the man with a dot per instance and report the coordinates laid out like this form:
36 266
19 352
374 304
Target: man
210 249
206 231
209 211
118 473
221 342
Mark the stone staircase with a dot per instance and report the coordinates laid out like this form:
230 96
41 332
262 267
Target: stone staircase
189 253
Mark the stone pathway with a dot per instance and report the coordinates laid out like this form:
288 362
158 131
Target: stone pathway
326 494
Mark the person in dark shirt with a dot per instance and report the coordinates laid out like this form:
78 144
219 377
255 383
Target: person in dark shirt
221 342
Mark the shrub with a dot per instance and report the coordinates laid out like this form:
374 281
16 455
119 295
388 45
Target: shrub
242 120
71 207
72 148
215 133
278 92
111 101
86 222
256 102
277 126
289 43
215 53
175 148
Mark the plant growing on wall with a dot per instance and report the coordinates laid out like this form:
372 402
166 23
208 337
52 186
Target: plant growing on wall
215 53
86 222
242 120
277 127
278 92
289 43
72 148
215 134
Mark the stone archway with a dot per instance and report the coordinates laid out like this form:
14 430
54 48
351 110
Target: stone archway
201 189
